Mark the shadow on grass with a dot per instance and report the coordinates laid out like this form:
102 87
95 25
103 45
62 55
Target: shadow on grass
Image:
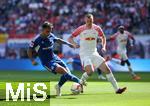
61 97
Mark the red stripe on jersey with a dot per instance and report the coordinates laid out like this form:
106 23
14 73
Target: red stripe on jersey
89 38
77 31
98 29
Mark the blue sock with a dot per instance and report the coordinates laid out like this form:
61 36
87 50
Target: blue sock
72 77
62 80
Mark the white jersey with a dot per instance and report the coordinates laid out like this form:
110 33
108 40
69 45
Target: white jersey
121 39
88 38
122 43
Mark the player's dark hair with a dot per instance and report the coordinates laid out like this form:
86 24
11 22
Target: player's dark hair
47 24
121 29
88 15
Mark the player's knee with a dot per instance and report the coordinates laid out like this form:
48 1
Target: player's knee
89 72
107 70
128 63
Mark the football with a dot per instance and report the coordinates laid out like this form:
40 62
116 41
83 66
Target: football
76 88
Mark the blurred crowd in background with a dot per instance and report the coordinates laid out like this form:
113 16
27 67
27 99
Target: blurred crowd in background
25 16
21 17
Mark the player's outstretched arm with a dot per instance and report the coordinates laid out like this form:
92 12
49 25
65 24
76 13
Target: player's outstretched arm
70 39
65 42
132 38
31 56
112 37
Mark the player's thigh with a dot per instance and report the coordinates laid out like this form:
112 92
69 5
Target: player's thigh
61 70
61 63
97 60
87 64
55 68
123 54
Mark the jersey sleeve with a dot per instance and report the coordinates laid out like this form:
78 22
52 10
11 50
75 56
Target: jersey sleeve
129 35
33 44
77 31
54 37
100 31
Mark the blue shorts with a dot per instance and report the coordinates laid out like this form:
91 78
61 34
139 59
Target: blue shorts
52 65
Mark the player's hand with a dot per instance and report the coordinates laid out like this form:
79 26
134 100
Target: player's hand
103 50
34 63
75 46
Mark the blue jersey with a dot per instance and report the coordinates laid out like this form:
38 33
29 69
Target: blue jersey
44 47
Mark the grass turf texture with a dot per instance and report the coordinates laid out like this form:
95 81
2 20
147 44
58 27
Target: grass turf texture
97 93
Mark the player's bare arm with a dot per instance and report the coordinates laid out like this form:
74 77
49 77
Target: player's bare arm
103 43
31 56
132 38
65 42
112 37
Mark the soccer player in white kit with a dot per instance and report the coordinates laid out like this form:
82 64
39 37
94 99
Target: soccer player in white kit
122 37
90 59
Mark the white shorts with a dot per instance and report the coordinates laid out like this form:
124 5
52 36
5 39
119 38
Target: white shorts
123 54
94 60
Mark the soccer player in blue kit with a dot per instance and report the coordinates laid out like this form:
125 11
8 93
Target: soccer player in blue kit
43 45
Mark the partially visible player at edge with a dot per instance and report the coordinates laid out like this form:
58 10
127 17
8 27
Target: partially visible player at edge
122 37
90 59
43 45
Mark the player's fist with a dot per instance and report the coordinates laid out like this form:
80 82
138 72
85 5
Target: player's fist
77 46
34 63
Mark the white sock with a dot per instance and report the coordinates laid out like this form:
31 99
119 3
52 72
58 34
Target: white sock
113 81
131 71
116 60
84 76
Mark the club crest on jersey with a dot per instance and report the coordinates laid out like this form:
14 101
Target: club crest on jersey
31 44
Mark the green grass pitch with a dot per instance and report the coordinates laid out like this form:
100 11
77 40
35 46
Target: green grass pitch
97 93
